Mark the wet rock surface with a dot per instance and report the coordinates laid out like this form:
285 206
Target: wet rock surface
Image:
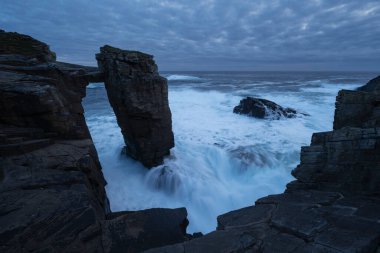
139 98
302 221
141 230
52 196
332 206
262 108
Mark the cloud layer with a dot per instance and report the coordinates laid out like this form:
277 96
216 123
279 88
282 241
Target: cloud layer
208 34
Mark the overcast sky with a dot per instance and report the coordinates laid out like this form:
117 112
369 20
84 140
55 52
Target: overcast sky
208 34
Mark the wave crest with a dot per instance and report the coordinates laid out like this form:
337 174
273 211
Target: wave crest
182 78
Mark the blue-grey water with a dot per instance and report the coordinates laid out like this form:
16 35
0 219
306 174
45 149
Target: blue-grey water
221 161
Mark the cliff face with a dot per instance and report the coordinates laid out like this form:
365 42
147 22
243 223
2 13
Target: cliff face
348 158
36 92
139 98
332 206
52 188
52 196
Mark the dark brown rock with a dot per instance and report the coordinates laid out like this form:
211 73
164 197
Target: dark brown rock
139 98
357 109
141 230
300 221
262 108
332 206
52 196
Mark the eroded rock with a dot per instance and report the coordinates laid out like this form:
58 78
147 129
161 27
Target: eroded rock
52 196
262 108
332 206
139 98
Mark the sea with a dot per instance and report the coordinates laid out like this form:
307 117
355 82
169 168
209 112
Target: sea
221 161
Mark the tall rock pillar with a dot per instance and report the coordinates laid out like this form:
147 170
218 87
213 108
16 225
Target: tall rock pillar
139 98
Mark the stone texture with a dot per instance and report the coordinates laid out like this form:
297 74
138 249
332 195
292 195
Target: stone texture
293 222
19 49
52 196
52 199
141 230
139 98
357 109
262 108
332 206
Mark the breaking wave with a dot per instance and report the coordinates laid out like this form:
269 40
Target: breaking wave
221 161
182 78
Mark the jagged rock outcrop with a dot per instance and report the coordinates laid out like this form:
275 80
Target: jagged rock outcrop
52 196
332 206
372 86
357 109
139 98
18 49
262 108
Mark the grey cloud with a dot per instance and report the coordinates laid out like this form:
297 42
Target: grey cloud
209 34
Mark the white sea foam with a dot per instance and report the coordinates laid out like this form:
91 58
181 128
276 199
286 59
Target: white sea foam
95 85
221 162
182 78
330 88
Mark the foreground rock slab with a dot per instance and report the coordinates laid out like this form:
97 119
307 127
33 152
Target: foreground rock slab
333 206
262 108
139 98
302 221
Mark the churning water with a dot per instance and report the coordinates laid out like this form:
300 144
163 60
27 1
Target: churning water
221 161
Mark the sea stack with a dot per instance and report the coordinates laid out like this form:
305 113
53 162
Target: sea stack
139 98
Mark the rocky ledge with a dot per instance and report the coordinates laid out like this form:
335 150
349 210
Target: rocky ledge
262 108
52 196
332 206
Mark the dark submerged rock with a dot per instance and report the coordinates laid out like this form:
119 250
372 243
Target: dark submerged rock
139 98
262 108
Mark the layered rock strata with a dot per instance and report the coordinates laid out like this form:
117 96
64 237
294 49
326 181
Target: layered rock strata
139 98
52 196
333 206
